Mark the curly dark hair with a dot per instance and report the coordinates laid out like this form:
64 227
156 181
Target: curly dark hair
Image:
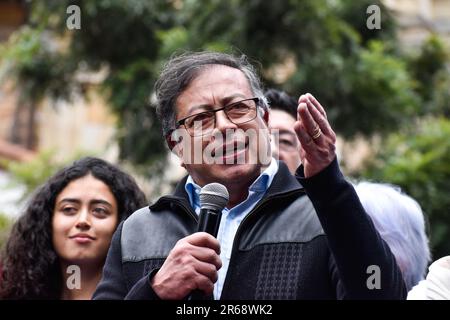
30 265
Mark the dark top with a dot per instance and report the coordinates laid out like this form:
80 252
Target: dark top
306 239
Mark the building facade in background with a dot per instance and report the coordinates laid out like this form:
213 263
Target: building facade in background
417 19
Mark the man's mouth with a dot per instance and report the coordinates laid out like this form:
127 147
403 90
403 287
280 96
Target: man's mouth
230 150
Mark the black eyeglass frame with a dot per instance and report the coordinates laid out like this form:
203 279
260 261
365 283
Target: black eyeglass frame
257 100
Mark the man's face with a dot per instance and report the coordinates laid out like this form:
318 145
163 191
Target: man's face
288 148
243 151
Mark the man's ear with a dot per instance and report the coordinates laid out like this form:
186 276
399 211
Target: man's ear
171 143
175 146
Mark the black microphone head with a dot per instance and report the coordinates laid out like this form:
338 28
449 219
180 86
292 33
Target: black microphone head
214 196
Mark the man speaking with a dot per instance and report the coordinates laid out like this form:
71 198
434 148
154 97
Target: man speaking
280 236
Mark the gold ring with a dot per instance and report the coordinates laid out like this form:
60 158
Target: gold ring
316 129
317 134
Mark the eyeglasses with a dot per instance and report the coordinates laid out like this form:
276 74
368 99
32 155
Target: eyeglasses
203 123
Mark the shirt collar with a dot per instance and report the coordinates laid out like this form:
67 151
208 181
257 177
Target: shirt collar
193 191
261 184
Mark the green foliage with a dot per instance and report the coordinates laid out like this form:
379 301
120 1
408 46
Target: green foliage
133 38
365 87
418 160
439 103
119 35
350 11
381 97
432 76
265 30
32 174
36 66
427 64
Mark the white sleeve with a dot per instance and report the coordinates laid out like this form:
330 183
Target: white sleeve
437 284
418 292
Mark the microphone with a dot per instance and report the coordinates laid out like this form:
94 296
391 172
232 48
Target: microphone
213 198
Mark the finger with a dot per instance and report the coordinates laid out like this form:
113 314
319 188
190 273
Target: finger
203 239
319 118
302 98
307 120
206 269
316 103
206 255
204 284
305 139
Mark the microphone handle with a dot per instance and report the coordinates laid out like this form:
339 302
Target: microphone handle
209 222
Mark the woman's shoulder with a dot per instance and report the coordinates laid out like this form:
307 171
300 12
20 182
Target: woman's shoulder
437 284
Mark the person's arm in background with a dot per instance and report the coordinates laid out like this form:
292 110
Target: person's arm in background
354 242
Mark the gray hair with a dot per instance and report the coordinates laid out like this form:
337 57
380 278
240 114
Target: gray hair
181 70
400 222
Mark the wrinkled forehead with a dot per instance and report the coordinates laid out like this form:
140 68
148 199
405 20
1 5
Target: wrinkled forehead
213 83
212 68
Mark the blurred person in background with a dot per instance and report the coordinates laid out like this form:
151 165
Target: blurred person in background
283 114
400 222
67 226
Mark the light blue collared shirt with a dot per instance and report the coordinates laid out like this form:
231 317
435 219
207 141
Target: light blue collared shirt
231 218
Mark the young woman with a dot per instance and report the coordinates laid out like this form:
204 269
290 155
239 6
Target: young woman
57 248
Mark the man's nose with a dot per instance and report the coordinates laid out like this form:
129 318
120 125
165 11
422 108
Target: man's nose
223 122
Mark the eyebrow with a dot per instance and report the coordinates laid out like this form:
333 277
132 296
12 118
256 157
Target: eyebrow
223 101
99 201
72 200
94 201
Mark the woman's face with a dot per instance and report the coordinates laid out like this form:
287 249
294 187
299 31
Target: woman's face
84 219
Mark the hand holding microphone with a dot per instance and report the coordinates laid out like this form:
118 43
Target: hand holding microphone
213 198
191 266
